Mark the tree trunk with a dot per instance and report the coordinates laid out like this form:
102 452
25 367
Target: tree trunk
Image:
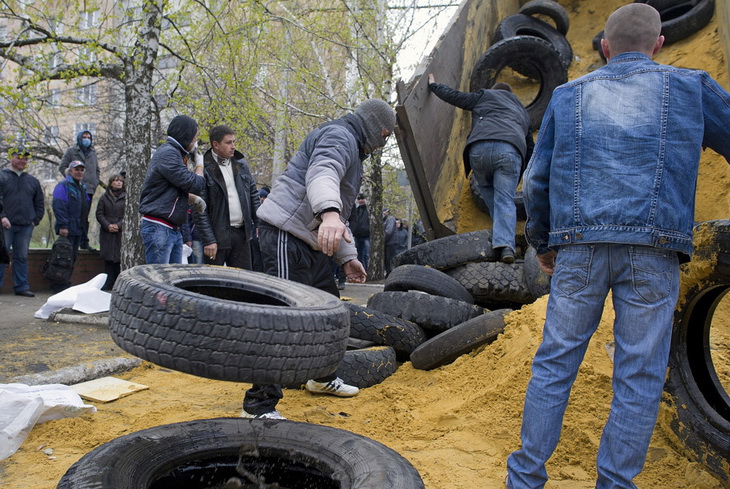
376 265
139 69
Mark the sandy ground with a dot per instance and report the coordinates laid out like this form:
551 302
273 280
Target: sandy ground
456 424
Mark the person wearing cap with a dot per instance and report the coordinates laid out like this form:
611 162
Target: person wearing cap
167 190
360 227
229 221
85 152
497 148
390 237
22 210
303 222
71 204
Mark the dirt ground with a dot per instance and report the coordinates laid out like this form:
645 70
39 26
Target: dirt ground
456 424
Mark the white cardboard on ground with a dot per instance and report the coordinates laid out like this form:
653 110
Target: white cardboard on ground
106 389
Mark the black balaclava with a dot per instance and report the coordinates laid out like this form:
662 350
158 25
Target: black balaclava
183 129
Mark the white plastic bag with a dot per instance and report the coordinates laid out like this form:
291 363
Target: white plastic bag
67 298
22 406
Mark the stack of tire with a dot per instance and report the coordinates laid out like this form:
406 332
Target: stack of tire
680 19
531 47
443 299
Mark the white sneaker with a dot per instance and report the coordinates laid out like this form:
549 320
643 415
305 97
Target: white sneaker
335 387
270 415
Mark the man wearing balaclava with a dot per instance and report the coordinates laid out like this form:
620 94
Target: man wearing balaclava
302 222
84 152
167 189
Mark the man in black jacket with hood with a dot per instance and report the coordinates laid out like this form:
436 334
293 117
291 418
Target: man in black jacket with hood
499 143
168 189
232 198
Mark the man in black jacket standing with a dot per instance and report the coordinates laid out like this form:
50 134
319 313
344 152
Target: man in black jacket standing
499 142
360 228
22 210
232 198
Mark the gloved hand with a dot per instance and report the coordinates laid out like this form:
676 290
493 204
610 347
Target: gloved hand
198 204
198 159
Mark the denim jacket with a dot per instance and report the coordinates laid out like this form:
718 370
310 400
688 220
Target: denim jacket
617 156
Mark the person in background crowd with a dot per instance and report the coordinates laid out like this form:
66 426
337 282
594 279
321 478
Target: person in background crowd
71 205
419 234
360 228
110 215
402 231
610 198
166 189
84 152
499 143
22 211
232 199
256 259
303 222
390 234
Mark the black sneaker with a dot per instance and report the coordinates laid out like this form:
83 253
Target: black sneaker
508 255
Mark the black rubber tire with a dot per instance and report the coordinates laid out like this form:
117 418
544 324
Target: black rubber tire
368 366
204 453
426 279
446 347
228 324
524 25
537 281
521 51
482 206
431 312
702 421
384 329
682 19
494 282
551 9
449 251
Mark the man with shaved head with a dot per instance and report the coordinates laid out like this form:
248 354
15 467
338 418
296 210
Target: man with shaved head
610 196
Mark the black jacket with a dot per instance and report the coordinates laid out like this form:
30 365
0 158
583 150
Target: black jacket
360 221
496 115
110 210
22 198
165 189
214 225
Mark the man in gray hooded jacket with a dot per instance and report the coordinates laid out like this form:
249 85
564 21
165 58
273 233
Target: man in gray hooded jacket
302 223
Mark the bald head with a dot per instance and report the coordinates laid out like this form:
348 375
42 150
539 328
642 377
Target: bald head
634 27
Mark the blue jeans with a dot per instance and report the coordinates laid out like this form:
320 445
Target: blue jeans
644 282
496 166
18 238
363 251
161 244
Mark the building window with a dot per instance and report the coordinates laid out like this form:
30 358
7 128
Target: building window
86 95
85 126
3 32
54 98
50 133
87 55
56 60
89 19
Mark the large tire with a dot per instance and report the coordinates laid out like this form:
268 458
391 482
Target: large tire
524 25
682 19
482 206
450 251
446 347
537 281
368 366
384 329
702 420
205 453
428 311
550 9
426 279
494 282
521 51
228 324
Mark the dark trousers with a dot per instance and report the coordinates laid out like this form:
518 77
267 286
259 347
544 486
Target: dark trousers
299 263
390 252
238 255
112 269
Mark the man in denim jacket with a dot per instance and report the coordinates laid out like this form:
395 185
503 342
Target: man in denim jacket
610 196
